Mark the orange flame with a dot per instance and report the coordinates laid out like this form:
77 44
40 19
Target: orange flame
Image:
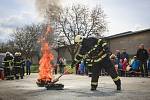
45 68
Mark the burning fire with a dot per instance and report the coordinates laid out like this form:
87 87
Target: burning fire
45 68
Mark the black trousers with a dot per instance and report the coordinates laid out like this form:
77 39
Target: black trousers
28 70
7 72
61 69
17 71
109 68
23 70
143 68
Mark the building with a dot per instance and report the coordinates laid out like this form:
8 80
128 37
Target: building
129 40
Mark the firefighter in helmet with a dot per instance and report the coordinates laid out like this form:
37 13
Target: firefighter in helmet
97 52
8 66
17 65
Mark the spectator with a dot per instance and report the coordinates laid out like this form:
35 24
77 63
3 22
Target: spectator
28 66
23 67
118 55
1 66
135 64
1 73
142 55
124 55
82 67
148 63
124 61
124 66
133 68
64 62
55 68
114 61
120 68
61 65
77 68
57 64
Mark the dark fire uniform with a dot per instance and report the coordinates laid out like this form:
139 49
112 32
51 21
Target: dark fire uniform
8 66
97 53
17 65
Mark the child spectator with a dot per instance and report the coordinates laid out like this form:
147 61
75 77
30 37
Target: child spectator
124 55
114 62
120 68
82 67
133 68
124 66
77 68
135 64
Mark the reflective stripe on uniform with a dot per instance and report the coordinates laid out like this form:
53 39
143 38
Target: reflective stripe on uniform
116 79
80 55
99 40
99 59
100 53
94 83
89 64
5 61
76 60
88 59
17 66
17 74
95 46
104 44
18 62
8 61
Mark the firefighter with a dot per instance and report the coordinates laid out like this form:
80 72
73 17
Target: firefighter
8 66
18 65
98 52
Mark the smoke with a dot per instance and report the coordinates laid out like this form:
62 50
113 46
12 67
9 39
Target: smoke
43 5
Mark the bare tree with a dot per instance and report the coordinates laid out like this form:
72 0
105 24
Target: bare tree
25 38
78 20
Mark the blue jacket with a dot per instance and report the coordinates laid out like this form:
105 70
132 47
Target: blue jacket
82 67
135 65
28 63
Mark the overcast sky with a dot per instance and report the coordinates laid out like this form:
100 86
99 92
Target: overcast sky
122 15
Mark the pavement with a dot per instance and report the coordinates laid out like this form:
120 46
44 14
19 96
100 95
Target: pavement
76 87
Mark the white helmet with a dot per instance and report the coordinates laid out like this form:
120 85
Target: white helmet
18 54
78 39
8 53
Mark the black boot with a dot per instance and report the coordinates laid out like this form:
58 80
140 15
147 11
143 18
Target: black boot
21 77
90 75
17 77
93 87
119 87
118 84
